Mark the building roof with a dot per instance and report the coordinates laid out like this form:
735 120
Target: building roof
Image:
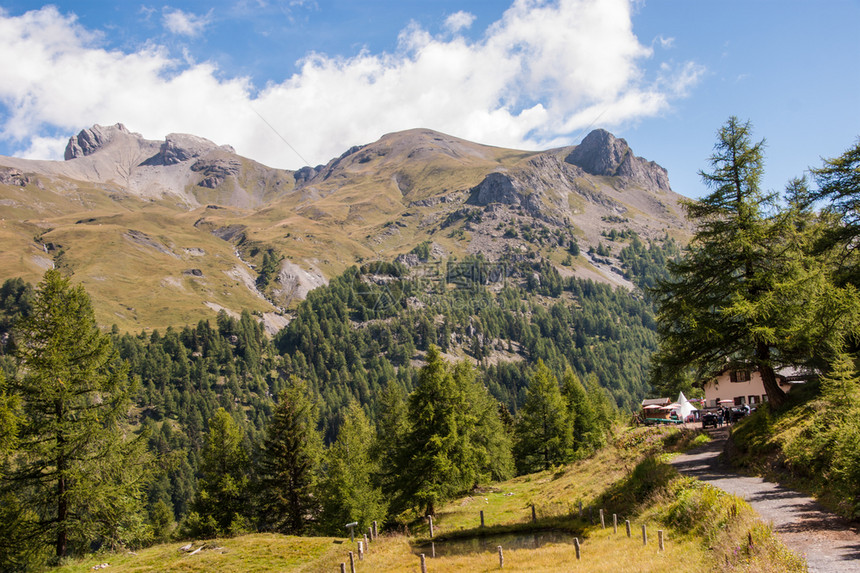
656 402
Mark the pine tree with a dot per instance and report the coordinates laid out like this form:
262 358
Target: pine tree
346 491
290 460
544 436
79 471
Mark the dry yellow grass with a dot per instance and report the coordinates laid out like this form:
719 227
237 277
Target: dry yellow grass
704 529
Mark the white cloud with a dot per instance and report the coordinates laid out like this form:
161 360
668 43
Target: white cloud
459 21
184 23
665 42
542 73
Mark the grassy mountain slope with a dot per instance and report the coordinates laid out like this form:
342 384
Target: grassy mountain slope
163 233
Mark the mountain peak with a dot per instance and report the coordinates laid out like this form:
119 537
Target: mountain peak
601 153
88 141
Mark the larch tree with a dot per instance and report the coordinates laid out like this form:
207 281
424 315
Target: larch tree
446 449
746 293
222 502
839 183
9 405
544 434
587 433
346 491
79 470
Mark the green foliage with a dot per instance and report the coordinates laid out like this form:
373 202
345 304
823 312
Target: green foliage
422 251
839 182
224 494
544 431
454 437
747 290
346 491
15 303
817 438
269 268
9 405
77 475
646 266
588 431
289 463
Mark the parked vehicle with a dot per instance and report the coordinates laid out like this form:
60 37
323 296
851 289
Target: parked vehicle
710 419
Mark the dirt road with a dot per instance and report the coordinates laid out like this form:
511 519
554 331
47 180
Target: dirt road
828 542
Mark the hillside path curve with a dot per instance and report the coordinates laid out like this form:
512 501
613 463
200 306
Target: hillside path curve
828 542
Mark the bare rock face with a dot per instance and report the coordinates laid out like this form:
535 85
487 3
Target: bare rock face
496 188
179 147
88 141
306 173
601 153
215 171
12 176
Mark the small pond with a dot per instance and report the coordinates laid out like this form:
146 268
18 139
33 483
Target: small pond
513 540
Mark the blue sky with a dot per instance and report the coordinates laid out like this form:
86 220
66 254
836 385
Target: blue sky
328 74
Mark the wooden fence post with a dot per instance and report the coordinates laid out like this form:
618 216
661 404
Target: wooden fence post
602 521
644 535
482 518
534 515
351 562
433 549
361 550
423 564
501 558
614 523
431 526
627 524
576 546
343 568
375 531
660 539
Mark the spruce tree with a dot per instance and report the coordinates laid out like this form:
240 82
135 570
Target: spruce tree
290 460
79 471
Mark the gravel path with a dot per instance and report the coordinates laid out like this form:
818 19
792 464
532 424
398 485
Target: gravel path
828 542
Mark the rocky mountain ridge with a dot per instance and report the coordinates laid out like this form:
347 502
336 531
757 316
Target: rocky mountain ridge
162 231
